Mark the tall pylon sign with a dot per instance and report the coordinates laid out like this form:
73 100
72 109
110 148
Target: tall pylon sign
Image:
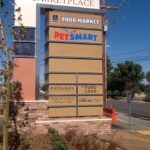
74 55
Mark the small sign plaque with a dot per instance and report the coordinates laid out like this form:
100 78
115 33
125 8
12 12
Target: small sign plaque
62 89
91 89
62 100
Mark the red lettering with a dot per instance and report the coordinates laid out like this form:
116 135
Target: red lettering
61 36
67 36
57 35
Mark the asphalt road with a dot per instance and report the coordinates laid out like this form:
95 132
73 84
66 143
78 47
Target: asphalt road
140 115
138 109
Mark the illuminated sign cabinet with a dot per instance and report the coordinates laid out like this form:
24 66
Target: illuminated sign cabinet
74 56
74 64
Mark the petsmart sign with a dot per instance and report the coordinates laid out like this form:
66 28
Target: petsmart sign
75 35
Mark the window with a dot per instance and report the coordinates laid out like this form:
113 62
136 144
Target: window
24 49
21 33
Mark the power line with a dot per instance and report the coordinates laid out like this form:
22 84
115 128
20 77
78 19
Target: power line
128 58
132 52
141 59
138 59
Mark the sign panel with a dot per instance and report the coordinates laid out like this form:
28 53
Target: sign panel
90 79
62 100
28 8
90 89
80 20
90 100
90 111
74 50
62 112
62 89
75 65
61 78
75 36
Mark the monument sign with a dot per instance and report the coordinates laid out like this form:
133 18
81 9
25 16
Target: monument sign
74 55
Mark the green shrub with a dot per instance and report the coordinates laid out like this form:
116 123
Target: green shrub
57 141
116 93
123 93
117 97
147 98
25 142
109 93
147 89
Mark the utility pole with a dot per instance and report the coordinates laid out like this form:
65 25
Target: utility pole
104 7
103 3
7 96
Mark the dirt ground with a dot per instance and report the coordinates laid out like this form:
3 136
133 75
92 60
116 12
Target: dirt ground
132 140
127 140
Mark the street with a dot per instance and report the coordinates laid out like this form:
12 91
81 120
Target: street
140 114
138 109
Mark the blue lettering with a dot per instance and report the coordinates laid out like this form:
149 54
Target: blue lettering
85 37
78 37
94 37
72 37
90 37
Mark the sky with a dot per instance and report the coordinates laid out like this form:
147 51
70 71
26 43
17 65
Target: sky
128 37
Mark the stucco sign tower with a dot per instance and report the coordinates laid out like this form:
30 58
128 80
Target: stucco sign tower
74 64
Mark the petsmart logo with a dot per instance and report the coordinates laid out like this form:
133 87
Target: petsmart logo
73 35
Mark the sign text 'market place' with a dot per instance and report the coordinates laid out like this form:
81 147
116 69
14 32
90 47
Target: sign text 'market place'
70 2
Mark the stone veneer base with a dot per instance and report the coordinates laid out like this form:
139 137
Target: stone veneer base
34 116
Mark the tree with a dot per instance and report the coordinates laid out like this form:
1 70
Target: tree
123 72
130 70
6 62
147 90
148 76
109 68
109 65
1 3
115 82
